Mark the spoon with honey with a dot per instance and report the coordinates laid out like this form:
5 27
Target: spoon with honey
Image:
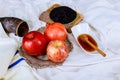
89 44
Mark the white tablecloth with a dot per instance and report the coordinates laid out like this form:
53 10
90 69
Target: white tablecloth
104 15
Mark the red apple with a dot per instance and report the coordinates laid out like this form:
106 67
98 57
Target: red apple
57 51
55 31
34 43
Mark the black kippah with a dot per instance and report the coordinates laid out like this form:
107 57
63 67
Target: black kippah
63 14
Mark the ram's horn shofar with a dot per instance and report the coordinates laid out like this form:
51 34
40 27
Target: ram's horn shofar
14 25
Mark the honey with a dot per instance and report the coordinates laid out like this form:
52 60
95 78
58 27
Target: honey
84 44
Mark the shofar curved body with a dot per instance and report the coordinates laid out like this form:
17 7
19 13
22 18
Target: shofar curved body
14 25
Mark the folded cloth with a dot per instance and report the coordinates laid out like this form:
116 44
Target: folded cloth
19 69
12 65
8 46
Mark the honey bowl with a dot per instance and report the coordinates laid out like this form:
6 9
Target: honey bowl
86 38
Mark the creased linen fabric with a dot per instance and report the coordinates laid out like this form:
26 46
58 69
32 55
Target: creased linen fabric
103 15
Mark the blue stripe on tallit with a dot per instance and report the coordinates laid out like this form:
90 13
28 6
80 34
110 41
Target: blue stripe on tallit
15 63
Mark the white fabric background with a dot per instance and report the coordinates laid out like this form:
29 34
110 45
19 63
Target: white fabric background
104 15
